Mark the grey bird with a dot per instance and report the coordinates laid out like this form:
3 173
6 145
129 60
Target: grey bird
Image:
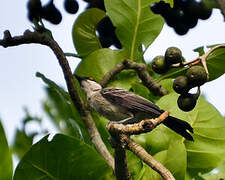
125 107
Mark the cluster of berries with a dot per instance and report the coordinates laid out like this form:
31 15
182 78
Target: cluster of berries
49 12
194 77
184 15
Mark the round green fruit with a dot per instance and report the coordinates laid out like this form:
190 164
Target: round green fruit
181 85
186 102
159 65
173 55
196 75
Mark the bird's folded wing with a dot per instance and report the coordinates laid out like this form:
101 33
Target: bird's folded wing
130 100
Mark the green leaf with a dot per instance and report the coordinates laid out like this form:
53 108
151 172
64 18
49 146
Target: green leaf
216 63
22 142
208 148
59 107
6 157
151 174
199 50
53 85
174 159
218 173
135 23
62 158
98 63
84 31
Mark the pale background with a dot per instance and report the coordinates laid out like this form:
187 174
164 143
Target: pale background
19 87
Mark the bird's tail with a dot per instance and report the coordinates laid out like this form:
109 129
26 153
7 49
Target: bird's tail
179 126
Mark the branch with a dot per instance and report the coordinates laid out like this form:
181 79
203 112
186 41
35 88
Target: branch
143 126
120 133
143 74
35 37
121 168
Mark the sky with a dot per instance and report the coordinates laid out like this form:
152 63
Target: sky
20 88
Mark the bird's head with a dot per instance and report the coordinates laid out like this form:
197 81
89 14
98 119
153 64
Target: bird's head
88 85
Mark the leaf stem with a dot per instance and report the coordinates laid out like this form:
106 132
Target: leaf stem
72 55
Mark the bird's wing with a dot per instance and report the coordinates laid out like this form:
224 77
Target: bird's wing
133 103
130 101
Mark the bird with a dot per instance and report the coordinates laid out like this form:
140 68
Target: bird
122 106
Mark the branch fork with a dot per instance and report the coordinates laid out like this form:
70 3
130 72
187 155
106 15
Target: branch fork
120 139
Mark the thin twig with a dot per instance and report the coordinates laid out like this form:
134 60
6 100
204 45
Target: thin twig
142 72
34 37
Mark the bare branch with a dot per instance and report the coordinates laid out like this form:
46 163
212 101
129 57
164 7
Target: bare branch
143 74
35 37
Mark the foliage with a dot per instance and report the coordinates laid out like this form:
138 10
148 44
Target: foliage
64 158
70 155
6 156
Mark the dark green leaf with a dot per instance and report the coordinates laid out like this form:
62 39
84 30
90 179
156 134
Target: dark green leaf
6 157
135 23
84 36
62 158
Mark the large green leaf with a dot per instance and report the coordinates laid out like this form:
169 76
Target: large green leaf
216 63
208 148
174 159
136 24
98 63
6 157
62 158
84 31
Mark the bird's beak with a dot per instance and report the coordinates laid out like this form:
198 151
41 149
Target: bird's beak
80 79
